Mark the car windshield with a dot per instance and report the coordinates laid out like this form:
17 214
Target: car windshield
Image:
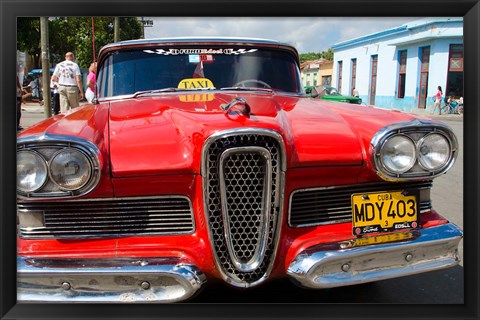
331 91
198 68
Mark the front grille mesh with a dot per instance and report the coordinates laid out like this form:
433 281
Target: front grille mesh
319 206
244 182
244 179
109 218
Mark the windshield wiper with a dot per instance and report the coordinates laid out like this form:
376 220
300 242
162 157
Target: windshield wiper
171 89
247 89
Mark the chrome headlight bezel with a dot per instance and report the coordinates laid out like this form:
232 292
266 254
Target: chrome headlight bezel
47 146
417 130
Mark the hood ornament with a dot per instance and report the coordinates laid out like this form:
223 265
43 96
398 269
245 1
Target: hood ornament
237 106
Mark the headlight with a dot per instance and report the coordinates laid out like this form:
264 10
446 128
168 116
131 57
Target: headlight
398 154
433 151
413 150
31 171
70 169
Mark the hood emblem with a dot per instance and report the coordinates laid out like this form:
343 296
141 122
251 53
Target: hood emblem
237 106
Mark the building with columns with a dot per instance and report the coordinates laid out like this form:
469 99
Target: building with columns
401 68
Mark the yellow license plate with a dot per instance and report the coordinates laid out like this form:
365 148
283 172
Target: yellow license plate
384 211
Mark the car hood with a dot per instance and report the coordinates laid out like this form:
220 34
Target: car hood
164 134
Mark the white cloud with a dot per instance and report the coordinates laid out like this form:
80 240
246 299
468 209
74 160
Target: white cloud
307 34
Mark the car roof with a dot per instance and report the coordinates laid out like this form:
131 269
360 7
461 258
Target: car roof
201 39
197 41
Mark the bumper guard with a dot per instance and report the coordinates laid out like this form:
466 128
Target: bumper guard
113 280
331 265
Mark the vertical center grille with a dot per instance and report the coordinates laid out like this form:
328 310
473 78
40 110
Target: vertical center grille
242 176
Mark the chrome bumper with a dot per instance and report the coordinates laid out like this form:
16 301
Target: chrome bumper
333 265
110 280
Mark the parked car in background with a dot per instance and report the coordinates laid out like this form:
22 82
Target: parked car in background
202 160
325 92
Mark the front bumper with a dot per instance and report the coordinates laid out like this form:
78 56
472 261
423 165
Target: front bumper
115 280
333 265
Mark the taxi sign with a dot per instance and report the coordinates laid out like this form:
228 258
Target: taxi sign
384 211
196 83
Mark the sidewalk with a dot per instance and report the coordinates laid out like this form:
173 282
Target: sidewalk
33 107
36 107
443 116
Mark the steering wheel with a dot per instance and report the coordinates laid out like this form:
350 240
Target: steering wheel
244 82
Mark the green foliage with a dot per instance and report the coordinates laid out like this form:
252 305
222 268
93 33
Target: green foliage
28 36
328 55
73 34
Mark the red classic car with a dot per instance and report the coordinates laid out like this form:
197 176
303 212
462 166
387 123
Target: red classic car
202 160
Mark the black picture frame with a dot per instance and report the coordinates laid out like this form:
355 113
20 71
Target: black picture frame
468 9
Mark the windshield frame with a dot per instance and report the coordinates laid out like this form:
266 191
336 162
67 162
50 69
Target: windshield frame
130 46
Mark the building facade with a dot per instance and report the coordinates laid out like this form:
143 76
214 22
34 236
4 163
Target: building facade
316 72
401 68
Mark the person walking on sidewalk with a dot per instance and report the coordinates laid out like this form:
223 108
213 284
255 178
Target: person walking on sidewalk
55 97
69 78
438 101
91 82
19 103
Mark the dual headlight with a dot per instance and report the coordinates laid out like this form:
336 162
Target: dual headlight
55 171
414 151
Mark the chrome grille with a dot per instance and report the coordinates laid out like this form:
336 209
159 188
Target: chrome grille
318 206
100 218
243 186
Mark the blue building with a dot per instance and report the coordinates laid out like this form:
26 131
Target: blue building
401 68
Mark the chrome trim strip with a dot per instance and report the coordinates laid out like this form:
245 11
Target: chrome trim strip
332 265
128 280
262 236
281 191
411 127
48 138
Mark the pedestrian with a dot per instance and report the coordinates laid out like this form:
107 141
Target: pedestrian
55 97
355 93
32 89
19 103
438 99
69 78
91 82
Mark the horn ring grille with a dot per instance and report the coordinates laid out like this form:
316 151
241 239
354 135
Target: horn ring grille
243 180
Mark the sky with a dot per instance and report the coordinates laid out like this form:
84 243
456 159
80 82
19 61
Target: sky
307 34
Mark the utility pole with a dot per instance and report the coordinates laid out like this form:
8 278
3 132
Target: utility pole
116 29
45 66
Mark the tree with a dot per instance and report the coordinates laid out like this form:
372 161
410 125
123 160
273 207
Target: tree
28 37
73 34
328 55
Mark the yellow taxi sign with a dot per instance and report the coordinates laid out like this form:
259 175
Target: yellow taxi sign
196 83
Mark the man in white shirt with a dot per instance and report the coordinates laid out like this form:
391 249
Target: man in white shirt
69 78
